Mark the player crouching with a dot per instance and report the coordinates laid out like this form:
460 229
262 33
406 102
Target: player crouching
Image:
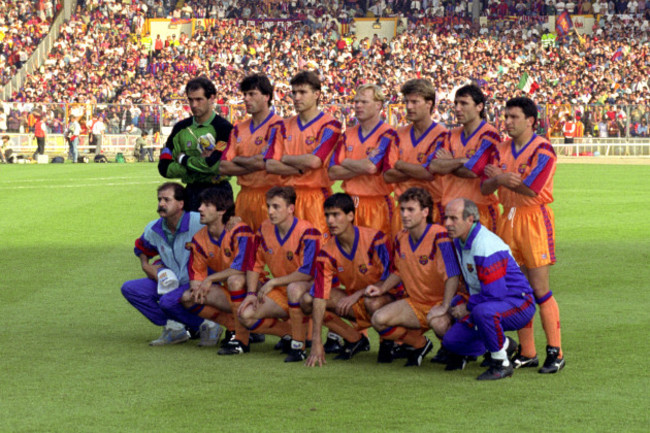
425 263
353 258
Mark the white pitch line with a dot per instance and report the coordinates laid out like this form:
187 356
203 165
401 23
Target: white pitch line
72 179
78 185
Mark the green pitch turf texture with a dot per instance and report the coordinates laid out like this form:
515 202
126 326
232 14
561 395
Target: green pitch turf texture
74 355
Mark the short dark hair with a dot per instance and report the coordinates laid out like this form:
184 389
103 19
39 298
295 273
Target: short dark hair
341 201
527 105
220 199
285 192
474 92
422 196
309 78
179 190
201 83
258 82
422 87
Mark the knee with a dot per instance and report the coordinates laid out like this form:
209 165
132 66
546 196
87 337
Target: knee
440 325
236 283
379 319
247 317
295 292
481 313
168 302
186 299
131 289
306 303
373 304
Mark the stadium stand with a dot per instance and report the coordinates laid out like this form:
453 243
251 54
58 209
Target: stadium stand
22 25
102 58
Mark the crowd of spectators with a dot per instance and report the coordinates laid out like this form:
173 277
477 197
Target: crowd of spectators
100 60
22 26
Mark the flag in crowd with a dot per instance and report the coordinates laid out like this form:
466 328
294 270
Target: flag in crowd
528 84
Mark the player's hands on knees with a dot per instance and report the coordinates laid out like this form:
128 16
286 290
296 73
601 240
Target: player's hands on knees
459 311
316 355
344 306
251 299
437 311
263 291
373 291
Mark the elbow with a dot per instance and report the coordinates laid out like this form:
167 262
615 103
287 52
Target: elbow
315 163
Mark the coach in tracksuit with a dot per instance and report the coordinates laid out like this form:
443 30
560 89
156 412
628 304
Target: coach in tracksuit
500 296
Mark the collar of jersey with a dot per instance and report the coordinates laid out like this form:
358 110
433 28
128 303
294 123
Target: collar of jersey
206 123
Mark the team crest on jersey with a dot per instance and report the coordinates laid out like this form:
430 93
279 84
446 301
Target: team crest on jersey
238 139
289 137
424 260
470 267
289 255
402 256
522 168
363 268
227 252
211 254
259 140
310 140
350 148
504 167
341 269
470 153
421 157
188 144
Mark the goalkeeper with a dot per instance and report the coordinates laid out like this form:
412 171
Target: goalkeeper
193 149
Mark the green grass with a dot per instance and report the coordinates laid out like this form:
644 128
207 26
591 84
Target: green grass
74 355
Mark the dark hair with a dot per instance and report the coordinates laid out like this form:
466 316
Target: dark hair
474 92
179 190
258 82
422 87
339 201
527 105
309 78
285 192
220 199
201 83
420 195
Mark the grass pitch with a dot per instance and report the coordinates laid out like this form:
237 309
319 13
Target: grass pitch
74 354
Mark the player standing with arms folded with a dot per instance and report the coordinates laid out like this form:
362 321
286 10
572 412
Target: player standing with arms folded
359 160
466 152
304 155
416 146
249 142
523 177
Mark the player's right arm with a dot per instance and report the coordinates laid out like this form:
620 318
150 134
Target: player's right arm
167 165
145 251
381 288
149 269
317 352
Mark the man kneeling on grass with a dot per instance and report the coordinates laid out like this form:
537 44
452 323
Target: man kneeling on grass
500 296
